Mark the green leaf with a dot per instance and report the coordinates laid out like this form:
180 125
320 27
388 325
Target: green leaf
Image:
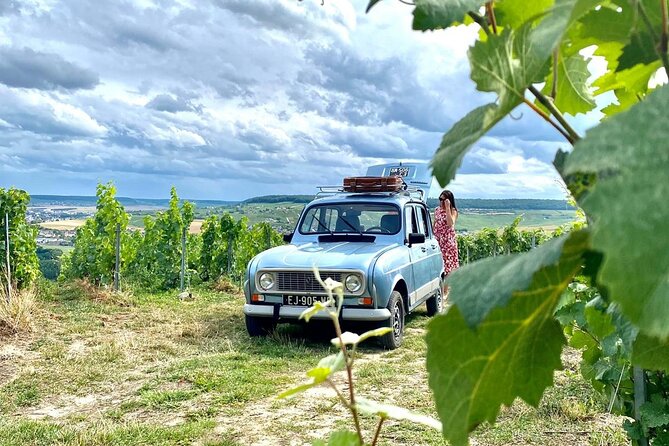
494 280
515 13
573 92
655 413
640 50
319 374
599 323
340 438
505 64
651 353
514 349
369 407
439 14
628 219
374 333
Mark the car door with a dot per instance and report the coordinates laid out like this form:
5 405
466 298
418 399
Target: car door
420 258
436 263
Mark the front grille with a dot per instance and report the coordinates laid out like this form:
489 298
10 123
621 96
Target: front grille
304 281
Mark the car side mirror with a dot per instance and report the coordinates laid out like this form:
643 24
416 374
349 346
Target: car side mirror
288 237
416 238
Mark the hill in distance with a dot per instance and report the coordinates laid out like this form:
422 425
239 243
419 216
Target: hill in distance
465 203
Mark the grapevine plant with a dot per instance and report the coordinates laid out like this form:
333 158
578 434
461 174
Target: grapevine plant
23 259
501 340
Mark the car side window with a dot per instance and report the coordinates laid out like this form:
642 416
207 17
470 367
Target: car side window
410 221
425 222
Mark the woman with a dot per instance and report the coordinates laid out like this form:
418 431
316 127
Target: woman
444 230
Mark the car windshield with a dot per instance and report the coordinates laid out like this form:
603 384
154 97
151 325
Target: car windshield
362 218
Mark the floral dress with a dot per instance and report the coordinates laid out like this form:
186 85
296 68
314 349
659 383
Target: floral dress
448 243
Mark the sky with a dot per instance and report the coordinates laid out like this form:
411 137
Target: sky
230 99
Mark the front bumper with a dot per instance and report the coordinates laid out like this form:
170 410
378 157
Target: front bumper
293 312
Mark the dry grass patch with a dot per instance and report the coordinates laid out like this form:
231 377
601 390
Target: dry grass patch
16 310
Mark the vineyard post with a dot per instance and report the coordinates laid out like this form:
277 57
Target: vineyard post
467 246
230 240
534 240
183 257
9 270
117 264
639 397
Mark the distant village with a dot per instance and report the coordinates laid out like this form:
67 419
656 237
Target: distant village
56 236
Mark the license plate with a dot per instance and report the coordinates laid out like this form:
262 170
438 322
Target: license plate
399 171
304 301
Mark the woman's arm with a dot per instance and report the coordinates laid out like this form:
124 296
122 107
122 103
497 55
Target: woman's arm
450 221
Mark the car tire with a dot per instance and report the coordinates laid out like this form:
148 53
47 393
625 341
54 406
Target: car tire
435 304
259 326
393 340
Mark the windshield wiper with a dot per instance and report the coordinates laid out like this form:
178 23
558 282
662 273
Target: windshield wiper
320 223
351 226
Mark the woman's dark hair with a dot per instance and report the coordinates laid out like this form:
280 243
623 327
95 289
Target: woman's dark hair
447 194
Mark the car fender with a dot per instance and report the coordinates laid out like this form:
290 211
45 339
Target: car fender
389 270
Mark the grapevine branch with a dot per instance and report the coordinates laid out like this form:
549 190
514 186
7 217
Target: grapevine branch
482 22
349 372
556 55
566 130
573 136
378 431
489 7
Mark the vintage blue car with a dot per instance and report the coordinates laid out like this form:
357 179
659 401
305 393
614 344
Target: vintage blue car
378 244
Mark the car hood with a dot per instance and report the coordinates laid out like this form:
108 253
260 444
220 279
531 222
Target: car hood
335 255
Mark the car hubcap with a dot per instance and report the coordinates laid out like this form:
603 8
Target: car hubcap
397 321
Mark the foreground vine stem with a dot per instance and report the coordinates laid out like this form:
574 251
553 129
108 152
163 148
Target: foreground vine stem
573 136
349 372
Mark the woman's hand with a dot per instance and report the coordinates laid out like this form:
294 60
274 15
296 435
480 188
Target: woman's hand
447 203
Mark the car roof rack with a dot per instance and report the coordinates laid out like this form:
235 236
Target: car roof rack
411 192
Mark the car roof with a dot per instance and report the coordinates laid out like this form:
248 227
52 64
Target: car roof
376 197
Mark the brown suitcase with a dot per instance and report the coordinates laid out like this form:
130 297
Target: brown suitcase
373 184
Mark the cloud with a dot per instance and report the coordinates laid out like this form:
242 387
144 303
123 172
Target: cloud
234 98
170 104
26 68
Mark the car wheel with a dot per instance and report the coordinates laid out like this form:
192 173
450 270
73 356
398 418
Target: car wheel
435 304
393 339
259 326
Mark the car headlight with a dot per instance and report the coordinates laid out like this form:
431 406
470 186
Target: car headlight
266 281
353 283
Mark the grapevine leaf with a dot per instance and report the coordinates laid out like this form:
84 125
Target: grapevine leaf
515 13
369 407
573 93
505 64
655 414
340 438
514 349
640 50
506 275
651 353
439 14
625 208
374 333
347 338
319 374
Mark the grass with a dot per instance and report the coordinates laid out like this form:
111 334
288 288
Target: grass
16 308
158 371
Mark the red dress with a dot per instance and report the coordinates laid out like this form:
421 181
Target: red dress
448 243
